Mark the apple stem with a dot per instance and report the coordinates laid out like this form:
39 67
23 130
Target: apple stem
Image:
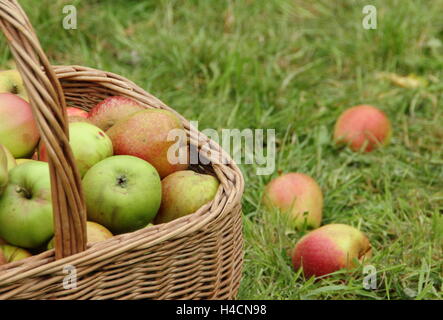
23 191
122 181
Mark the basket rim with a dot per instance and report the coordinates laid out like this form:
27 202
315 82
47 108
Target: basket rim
228 195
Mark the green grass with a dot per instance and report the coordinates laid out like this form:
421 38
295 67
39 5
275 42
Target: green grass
294 65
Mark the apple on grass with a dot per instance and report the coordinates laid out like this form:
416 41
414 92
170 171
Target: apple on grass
26 207
94 233
113 109
18 129
297 195
362 128
146 135
89 145
329 249
123 193
12 82
183 193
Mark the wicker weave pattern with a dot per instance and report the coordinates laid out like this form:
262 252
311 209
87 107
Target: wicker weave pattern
199 256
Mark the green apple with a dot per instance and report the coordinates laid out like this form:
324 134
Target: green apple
89 145
9 157
25 206
122 193
12 82
94 233
22 160
183 193
12 253
18 128
3 170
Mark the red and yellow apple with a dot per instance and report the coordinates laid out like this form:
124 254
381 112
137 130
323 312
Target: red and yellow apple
75 112
145 135
18 129
183 193
362 128
298 195
329 249
113 109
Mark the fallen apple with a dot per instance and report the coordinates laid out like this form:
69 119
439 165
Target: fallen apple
111 110
330 248
12 253
145 135
89 145
18 129
12 82
362 128
94 233
26 207
183 193
123 193
298 195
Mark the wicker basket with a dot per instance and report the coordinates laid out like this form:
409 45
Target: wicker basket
198 256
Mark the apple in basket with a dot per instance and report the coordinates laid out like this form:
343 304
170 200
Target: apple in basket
183 193
11 161
297 195
111 110
122 193
147 135
3 170
89 145
18 129
77 115
26 207
12 253
2 258
12 82
330 248
75 112
94 233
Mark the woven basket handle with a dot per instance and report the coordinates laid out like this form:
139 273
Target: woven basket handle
48 105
